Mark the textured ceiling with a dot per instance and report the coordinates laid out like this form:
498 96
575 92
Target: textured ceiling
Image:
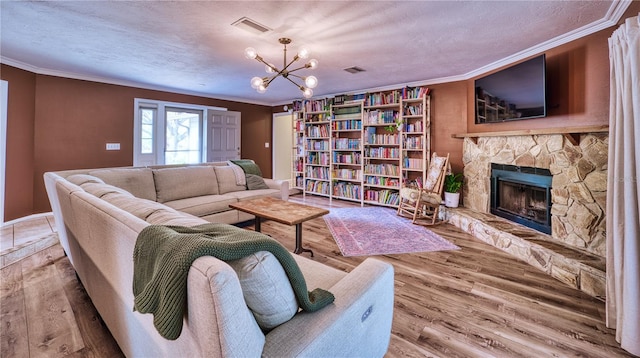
191 46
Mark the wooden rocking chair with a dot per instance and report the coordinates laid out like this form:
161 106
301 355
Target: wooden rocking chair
423 204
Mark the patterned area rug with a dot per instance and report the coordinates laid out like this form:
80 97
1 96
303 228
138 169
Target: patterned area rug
379 231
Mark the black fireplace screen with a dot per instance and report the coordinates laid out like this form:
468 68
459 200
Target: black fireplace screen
522 195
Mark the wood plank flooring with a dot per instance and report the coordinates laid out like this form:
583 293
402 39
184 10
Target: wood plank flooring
473 302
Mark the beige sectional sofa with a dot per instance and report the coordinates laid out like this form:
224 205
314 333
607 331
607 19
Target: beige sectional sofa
99 214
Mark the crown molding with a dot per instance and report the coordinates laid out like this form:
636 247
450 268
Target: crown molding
75 76
612 17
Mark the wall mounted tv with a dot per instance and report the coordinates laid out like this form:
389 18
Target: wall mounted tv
514 93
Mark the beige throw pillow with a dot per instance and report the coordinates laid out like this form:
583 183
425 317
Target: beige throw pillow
266 289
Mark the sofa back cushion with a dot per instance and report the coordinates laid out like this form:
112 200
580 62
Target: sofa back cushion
137 181
184 182
227 180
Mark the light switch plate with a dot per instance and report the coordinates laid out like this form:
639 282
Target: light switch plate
113 146
266 145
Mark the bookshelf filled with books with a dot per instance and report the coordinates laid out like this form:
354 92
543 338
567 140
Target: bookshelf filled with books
317 161
364 148
297 152
346 151
416 140
382 160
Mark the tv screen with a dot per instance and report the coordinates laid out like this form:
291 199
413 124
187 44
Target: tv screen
516 92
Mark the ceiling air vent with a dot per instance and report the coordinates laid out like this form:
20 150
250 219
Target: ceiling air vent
252 26
354 69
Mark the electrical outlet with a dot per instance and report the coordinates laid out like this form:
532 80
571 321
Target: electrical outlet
266 145
113 146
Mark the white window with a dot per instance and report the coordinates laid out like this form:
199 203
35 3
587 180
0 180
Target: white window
180 133
183 136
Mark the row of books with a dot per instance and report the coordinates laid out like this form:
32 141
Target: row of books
382 152
370 99
318 158
382 116
348 98
298 165
346 143
415 92
347 158
412 163
387 197
373 138
354 174
347 190
384 181
321 173
382 98
415 127
314 144
414 143
318 117
321 131
299 182
298 125
413 110
345 125
320 187
382 169
312 105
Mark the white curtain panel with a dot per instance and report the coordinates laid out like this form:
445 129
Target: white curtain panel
623 195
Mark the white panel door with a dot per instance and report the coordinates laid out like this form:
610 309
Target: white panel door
223 139
282 146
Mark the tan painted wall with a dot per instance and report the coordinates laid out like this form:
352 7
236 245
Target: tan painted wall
57 123
19 184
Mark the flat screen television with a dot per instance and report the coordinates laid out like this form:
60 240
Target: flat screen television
514 93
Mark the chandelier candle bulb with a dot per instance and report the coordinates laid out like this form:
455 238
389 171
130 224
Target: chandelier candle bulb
250 53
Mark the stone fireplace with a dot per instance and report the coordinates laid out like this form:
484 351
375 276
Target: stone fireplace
579 180
573 251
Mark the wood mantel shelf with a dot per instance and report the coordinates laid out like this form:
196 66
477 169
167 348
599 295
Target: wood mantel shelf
572 134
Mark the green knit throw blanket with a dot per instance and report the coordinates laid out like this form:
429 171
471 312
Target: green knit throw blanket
163 255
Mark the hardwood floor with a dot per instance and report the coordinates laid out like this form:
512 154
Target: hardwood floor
473 302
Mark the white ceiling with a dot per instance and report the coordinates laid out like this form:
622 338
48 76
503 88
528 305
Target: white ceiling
191 46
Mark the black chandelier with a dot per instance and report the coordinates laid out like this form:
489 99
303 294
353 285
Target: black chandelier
261 83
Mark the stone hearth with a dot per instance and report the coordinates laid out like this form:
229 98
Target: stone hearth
574 253
577 268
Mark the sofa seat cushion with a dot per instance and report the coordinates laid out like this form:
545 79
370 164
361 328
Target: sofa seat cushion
138 181
184 182
254 194
227 180
203 205
266 289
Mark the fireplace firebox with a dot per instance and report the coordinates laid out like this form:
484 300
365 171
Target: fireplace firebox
522 195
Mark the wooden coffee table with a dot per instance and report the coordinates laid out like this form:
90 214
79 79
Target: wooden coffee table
284 212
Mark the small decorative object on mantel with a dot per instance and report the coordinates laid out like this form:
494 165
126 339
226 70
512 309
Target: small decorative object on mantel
452 186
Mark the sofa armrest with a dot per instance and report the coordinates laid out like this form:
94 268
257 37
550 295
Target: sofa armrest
279 184
357 324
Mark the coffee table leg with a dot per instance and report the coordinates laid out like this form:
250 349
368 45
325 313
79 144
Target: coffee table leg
257 224
299 249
